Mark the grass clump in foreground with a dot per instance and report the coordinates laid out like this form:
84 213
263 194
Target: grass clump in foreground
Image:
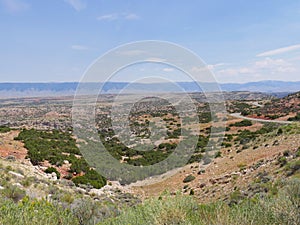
278 210
35 212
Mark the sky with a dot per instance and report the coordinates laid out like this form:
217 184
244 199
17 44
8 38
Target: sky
240 41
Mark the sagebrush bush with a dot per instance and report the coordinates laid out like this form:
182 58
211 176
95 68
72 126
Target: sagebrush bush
13 192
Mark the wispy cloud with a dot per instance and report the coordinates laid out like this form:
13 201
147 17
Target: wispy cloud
108 17
154 59
279 51
131 52
78 5
168 69
131 16
79 47
14 6
217 65
275 65
207 67
236 71
263 68
118 16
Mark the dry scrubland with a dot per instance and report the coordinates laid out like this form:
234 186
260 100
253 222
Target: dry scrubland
254 178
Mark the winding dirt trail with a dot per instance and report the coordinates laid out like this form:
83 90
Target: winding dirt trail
238 115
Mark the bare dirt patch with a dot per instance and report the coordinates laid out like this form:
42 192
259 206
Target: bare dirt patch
8 146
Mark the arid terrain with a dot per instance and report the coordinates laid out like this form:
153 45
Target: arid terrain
40 157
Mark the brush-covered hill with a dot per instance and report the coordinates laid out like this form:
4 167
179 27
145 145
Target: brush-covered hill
286 108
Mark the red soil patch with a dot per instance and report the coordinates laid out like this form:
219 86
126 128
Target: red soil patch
8 146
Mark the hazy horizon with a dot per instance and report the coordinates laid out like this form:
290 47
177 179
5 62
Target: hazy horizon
61 82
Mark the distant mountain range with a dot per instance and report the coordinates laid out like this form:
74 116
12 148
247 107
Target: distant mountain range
69 88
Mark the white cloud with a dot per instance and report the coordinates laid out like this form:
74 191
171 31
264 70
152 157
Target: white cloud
79 47
118 16
131 52
264 69
196 69
131 16
108 17
168 69
207 67
215 66
154 59
279 51
274 65
14 6
236 71
78 5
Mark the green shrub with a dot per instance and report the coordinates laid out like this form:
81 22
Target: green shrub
218 154
4 129
51 170
226 144
282 161
298 152
189 178
293 167
296 118
92 178
244 123
28 181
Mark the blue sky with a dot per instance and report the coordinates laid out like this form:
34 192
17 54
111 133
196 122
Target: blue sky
241 41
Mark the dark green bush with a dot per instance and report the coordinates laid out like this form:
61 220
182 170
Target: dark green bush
244 123
296 118
189 178
4 129
92 178
282 161
51 170
218 154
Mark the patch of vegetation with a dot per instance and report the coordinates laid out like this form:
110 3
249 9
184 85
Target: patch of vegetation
195 158
52 170
242 166
4 129
205 117
279 209
293 167
35 212
48 145
282 161
56 146
218 154
297 154
12 192
189 178
240 106
243 123
226 145
90 178
295 118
